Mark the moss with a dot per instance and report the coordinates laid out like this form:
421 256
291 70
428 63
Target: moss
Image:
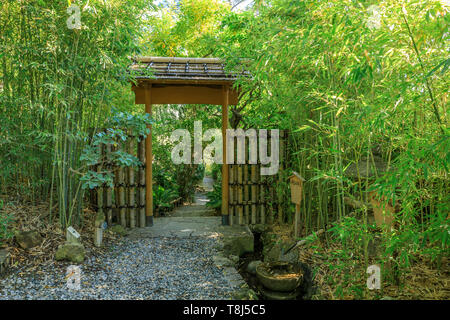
71 251
118 229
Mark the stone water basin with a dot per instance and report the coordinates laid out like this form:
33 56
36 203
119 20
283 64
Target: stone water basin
279 276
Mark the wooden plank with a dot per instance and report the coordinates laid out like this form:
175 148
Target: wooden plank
297 221
178 59
187 94
185 82
225 97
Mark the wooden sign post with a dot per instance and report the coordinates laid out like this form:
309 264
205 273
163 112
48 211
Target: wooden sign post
296 182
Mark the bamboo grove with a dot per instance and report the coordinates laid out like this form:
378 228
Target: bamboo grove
356 83
58 86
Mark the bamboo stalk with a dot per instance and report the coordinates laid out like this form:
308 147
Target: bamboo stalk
280 180
141 156
109 191
122 210
131 189
246 197
262 200
240 195
100 188
232 198
231 214
254 194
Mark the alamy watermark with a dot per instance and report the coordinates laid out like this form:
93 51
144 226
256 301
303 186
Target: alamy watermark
74 20
374 20
73 277
374 279
213 152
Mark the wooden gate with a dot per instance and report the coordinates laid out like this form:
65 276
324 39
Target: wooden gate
253 198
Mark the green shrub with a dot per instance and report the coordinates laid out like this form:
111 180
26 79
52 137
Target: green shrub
215 196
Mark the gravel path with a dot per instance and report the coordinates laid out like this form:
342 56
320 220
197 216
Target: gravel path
150 268
171 260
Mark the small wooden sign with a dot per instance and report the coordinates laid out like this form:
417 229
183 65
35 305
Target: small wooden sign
296 181
383 212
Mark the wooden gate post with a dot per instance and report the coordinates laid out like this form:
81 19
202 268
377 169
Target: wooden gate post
225 213
148 162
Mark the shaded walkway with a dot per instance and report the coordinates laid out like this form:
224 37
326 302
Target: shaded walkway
177 258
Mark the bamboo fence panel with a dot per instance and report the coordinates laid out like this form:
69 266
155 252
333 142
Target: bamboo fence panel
109 190
253 196
141 156
131 188
124 203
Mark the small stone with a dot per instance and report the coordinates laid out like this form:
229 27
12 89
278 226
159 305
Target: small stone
119 230
218 246
221 261
258 228
4 261
275 253
241 242
71 251
359 170
234 259
28 239
251 267
245 294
